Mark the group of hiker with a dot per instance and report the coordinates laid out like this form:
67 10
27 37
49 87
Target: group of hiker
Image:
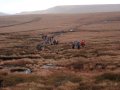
78 44
50 40
46 40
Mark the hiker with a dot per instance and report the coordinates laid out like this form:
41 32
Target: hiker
55 42
40 47
50 40
44 37
47 40
73 45
76 44
83 43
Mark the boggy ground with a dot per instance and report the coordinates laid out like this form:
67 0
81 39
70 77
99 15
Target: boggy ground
94 67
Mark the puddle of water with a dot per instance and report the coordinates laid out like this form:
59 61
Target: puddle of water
20 70
28 71
51 66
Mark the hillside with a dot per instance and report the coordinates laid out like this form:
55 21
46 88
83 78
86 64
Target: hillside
73 9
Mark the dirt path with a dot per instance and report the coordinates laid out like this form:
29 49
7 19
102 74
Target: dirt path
22 23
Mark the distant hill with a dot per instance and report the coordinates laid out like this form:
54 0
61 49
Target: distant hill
74 9
2 14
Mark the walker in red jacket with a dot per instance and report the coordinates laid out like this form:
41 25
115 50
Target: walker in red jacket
83 43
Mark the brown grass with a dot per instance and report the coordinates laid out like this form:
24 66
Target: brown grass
84 69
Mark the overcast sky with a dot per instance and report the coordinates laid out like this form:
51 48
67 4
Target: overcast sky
16 6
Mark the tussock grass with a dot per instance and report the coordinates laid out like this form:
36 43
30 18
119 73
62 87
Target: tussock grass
18 63
12 80
87 86
115 77
61 78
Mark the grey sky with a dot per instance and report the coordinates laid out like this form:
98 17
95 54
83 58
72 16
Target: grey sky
16 6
